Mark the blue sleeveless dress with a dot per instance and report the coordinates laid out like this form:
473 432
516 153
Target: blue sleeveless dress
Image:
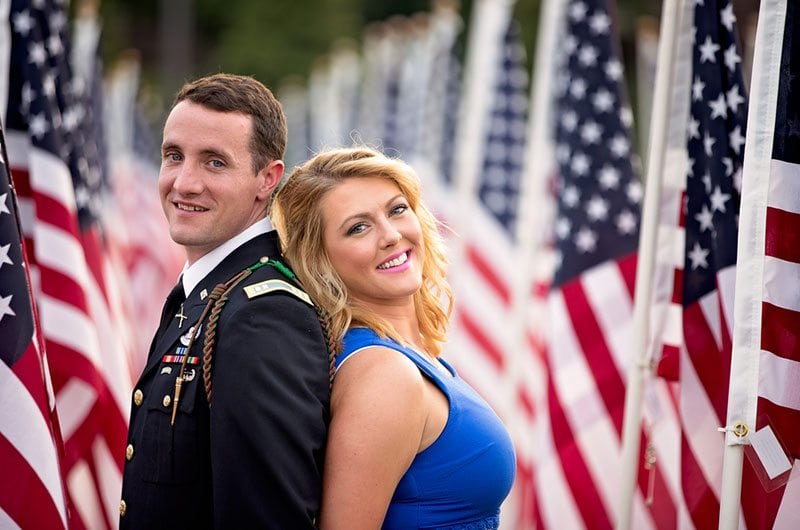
459 482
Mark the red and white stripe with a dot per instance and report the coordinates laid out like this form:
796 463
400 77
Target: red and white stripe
695 346
587 356
30 446
671 400
580 337
779 370
87 358
484 349
483 305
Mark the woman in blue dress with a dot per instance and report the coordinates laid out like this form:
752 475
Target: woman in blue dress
410 445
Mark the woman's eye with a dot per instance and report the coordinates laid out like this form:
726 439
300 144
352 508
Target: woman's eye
356 229
400 208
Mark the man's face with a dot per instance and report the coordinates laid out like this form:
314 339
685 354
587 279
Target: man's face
208 189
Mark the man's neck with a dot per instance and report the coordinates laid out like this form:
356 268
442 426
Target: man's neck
194 272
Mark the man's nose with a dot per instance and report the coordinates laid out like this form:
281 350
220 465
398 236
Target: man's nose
187 181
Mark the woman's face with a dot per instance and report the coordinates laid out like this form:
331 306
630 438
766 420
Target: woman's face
374 240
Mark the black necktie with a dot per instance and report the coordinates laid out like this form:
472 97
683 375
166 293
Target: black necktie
172 306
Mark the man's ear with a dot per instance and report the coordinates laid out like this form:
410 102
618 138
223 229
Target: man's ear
271 176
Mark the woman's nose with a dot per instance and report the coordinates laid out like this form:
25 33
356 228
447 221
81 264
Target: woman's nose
391 235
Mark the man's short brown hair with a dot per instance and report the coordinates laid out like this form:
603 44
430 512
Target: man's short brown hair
246 95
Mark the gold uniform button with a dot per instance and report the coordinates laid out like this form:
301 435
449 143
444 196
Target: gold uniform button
129 452
138 397
167 400
122 508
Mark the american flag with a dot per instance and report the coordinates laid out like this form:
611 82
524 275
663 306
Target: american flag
333 89
394 49
30 442
704 208
452 69
413 83
377 112
481 343
56 167
498 184
781 317
765 370
589 319
445 84
484 303
438 109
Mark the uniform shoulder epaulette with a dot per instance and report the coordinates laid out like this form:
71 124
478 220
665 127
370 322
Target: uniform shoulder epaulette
270 286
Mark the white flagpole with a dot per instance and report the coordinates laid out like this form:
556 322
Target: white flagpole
732 464
743 388
640 367
5 57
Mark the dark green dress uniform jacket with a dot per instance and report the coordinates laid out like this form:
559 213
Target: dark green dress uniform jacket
254 458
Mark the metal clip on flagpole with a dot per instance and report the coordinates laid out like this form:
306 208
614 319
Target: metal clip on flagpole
640 367
739 429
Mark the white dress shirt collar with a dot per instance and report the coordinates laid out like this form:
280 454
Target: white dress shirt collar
194 273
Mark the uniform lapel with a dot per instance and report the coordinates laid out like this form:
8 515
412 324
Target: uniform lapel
242 257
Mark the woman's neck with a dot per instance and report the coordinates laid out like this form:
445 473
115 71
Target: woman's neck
403 319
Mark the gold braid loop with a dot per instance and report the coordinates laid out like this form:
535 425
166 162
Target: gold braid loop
218 299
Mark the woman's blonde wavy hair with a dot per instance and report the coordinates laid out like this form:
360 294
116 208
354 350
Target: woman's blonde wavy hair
297 217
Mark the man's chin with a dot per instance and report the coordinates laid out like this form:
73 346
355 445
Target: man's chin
188 240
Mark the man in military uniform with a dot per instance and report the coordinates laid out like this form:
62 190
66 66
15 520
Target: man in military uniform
229 417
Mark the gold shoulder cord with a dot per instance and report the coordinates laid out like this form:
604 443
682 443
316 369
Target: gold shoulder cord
216 301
